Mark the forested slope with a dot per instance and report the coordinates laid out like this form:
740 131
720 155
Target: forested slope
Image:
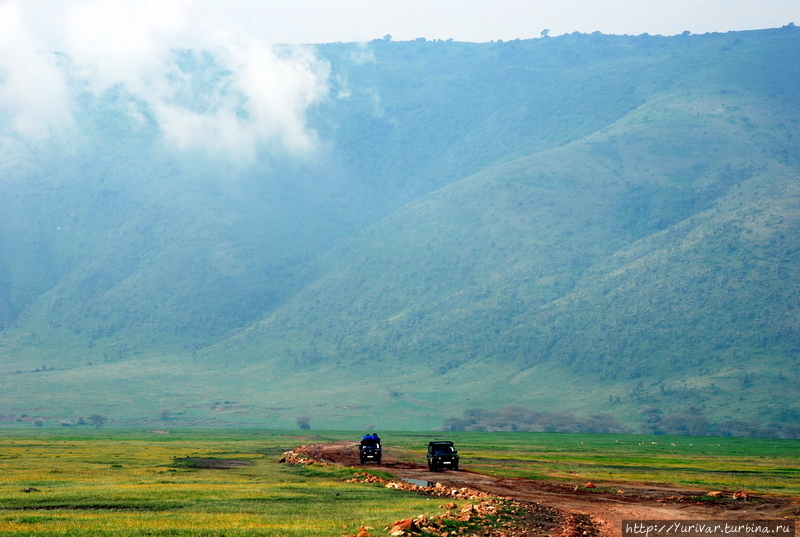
585 224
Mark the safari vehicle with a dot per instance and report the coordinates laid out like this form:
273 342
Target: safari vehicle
370 449
442 455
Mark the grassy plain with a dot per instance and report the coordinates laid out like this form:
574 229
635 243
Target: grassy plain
122 482
760 465
131 482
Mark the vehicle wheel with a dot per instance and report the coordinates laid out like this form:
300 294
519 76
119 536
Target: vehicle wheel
378 460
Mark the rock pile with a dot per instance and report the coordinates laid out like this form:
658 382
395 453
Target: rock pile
741 495
293 457
480 507
738 495
463 493
298 457
490 517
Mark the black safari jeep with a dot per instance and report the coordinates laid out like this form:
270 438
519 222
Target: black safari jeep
370 449
442 455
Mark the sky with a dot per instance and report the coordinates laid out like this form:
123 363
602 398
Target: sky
323 21
127 44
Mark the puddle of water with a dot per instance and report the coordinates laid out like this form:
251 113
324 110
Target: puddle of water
419 482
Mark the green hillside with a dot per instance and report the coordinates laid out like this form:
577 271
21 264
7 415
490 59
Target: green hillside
599 229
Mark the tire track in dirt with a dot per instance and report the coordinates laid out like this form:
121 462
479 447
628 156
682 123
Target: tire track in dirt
598 511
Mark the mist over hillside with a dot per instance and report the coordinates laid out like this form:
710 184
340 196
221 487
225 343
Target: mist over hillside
579 232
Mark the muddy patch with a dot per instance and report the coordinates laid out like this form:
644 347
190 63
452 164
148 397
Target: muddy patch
209 463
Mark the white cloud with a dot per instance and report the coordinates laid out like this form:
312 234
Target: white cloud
34 101
121 42
258 100
129 44
263 101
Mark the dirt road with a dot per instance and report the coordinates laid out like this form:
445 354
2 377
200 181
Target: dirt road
604 507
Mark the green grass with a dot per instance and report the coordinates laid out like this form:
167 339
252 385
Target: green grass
128 483
134 482
757 465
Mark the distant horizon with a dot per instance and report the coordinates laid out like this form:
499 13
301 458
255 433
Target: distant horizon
547 34
193 23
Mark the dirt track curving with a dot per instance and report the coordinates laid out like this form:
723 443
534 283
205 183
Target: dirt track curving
600 510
